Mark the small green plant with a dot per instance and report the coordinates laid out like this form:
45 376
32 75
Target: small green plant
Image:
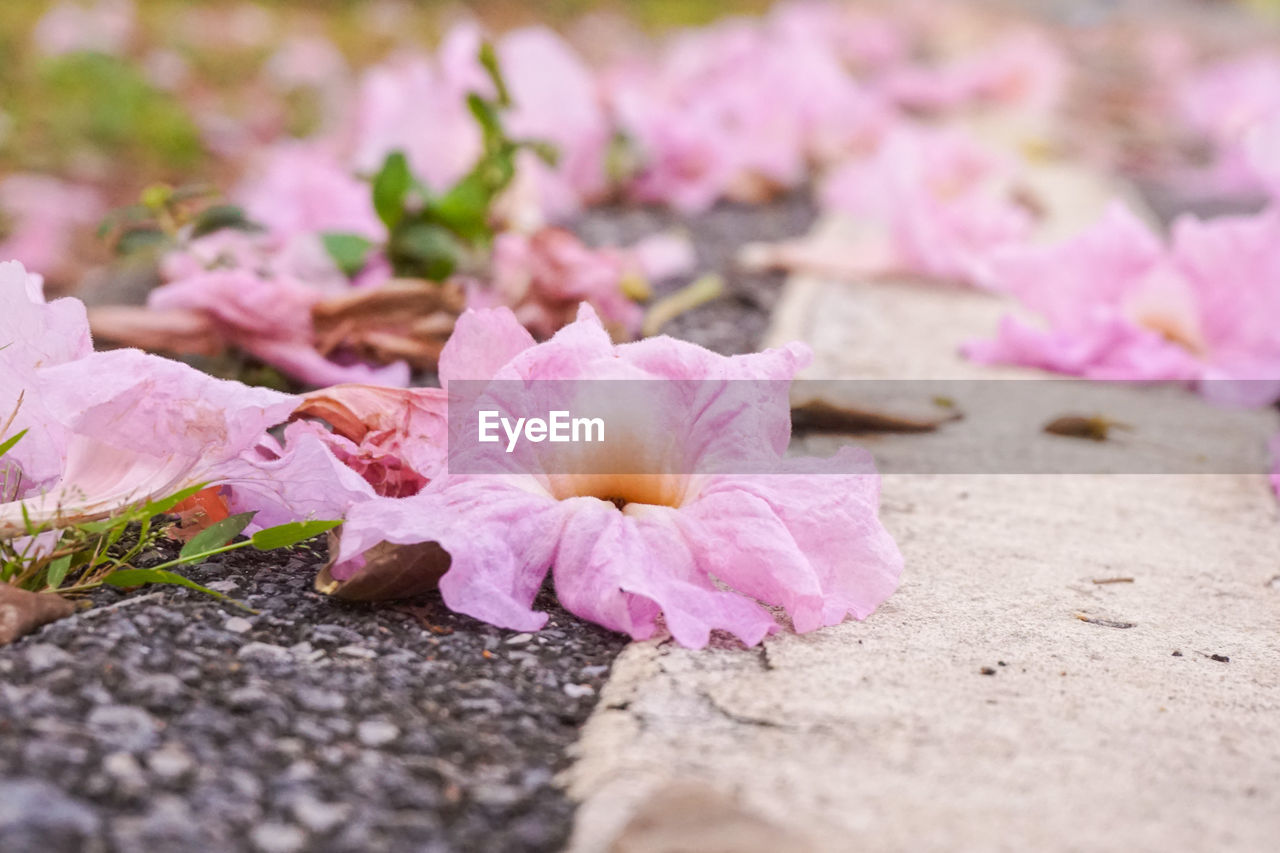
91 554
432 235
165 215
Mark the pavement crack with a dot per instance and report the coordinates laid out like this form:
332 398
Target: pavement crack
741 719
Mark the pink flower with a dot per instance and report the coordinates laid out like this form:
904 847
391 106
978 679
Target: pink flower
34 335
545 276
364 442
407 105
1223 103
1023 70
269 316
941 202
103 27
738 110
698 549
300 187
109 429
1262 150
39 216
555 98
1121 305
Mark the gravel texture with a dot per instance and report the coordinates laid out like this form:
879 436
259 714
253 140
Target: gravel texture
162 720
170 722
737 322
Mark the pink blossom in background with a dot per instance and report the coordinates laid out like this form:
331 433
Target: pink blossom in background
1262 150
543 278
39 216
101 26
697 118
940 202
269 317
1118 303
626 551
555 98
864 41
407 105
417 104
1224 103
1024 70
301 187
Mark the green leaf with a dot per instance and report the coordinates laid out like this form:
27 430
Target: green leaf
218 217
286 535
164 505
545 151
137 577
464 209
486 115
216 535
140 239
390 188
130 215
57 571
425 250
349 251
9 442
489 62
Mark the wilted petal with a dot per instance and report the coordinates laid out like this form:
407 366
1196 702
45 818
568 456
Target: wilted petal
500 539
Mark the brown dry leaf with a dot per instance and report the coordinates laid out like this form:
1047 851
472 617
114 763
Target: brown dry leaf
689 818
822 416
177 331
21 612
404 319
1092 427
390 572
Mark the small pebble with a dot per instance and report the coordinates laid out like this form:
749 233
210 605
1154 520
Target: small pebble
317 816
358 652
237 625
519 639
375 733
262 652
578 691
278 838
170 762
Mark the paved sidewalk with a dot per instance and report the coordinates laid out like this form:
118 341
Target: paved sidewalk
978 709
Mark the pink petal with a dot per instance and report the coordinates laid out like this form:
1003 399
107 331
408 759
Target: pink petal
482 342
830 509
501 540
620 570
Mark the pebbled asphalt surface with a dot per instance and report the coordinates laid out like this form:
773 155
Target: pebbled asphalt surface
162 720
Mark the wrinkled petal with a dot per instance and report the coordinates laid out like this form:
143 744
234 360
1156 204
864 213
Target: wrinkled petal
501 540
622 569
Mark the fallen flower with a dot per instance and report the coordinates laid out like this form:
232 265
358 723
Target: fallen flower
1121 305
110 429
936 205
697 549
543 278
38 218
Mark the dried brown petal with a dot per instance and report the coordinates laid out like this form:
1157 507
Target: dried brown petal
390 572
21 612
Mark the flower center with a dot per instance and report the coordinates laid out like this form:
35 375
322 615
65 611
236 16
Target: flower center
622 489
